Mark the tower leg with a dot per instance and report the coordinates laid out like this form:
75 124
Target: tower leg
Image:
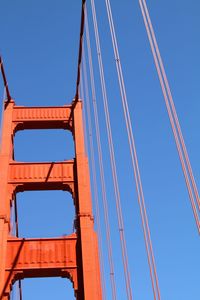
89 248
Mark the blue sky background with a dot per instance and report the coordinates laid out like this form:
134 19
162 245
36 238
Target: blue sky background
39 45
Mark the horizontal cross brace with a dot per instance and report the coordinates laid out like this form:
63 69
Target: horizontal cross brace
42 117
46 257
42 176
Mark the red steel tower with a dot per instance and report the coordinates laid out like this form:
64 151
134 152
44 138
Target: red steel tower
74 256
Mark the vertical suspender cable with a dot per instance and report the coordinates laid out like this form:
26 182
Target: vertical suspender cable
139 188
180 144
100 158
112 157
94 177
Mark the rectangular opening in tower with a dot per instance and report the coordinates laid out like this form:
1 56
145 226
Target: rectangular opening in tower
44 288
45 214
43 145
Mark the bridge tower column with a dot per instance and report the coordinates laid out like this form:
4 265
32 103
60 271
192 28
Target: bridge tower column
74 256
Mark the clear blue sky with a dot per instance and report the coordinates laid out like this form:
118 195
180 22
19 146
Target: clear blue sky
39 45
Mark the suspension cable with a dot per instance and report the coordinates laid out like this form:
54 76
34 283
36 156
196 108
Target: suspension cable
139 188
94 176
4 80
179 140
100 159
80 49
172 105
112 158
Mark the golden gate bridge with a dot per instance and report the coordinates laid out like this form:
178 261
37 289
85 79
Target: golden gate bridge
71 120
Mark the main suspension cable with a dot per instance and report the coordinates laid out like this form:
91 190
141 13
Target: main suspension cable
179 140
80 49
139 188
4 80
101 167
112 158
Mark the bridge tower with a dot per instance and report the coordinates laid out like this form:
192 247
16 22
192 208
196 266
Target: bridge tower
75 256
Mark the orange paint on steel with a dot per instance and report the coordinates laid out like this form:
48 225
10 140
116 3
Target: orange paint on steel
74 256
